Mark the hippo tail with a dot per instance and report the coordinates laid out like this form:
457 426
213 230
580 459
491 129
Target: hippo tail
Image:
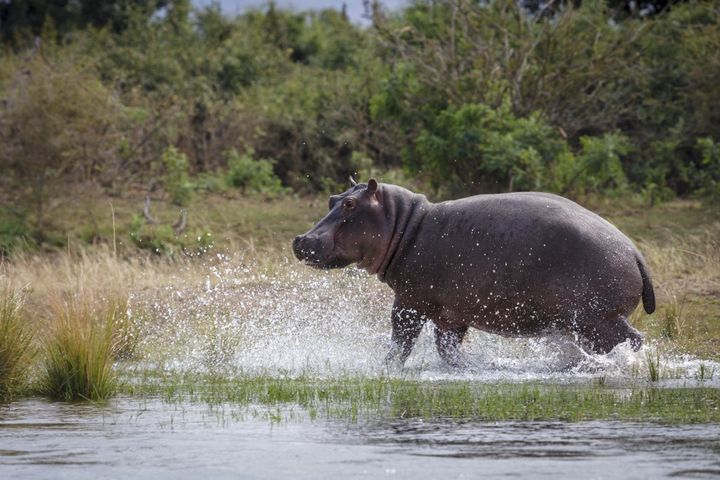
648 292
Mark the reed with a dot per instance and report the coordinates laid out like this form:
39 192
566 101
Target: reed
16 344
652 359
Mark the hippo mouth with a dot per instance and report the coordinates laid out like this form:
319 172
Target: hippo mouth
311 257
325 264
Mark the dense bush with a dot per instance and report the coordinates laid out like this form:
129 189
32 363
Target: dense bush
58 122
251 175
480 148
464 96
14 230
177 180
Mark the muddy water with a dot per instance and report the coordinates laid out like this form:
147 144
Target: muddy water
150 439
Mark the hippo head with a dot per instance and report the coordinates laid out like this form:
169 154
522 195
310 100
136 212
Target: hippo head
355 230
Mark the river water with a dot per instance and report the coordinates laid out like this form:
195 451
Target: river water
295 323
130 438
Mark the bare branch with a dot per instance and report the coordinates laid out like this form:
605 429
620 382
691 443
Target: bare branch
181 224
146 211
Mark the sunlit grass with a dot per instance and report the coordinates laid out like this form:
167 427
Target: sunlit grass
16 349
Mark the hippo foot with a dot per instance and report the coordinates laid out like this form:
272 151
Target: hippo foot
456 361
393 367
394 361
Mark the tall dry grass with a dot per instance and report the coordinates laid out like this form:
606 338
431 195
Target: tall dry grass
79 304
686 273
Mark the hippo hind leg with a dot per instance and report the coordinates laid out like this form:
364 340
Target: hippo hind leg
610 333
447 341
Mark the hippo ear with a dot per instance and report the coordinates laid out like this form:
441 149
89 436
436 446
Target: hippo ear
372 186
352 181
373 190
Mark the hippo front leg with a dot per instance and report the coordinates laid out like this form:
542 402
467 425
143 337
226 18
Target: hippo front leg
406 326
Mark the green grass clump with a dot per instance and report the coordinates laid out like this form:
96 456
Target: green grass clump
16 338
652 358
79 353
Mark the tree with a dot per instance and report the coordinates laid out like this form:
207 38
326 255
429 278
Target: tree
20 19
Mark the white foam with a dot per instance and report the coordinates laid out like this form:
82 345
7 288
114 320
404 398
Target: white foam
292 320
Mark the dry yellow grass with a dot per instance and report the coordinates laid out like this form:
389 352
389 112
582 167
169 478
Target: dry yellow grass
686 273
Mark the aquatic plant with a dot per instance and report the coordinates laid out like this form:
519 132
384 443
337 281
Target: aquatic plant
354 398
705 373
16 337
78 354
652 359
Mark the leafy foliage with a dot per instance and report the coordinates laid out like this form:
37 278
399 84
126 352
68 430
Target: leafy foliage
709 175
462 96
177 180
14 230
475 144
252 175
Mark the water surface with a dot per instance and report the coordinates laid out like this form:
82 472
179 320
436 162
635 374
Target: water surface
131 438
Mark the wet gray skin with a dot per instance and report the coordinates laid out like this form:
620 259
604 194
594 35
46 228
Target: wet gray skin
514 264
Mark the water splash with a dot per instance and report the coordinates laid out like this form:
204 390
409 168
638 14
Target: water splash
284 318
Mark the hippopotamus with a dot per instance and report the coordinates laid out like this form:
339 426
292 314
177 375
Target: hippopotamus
514 264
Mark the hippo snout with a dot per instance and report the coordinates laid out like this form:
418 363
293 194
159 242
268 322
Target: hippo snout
298 247
307 248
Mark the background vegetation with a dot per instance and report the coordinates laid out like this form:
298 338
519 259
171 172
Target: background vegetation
139 99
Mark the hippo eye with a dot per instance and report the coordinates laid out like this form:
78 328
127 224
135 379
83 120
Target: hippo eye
349 204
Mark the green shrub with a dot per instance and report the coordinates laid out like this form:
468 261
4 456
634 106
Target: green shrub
58 124
16 349
211 182
471 96
252 176
596 167
14 230
709 174
475 147
161 239
177 179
